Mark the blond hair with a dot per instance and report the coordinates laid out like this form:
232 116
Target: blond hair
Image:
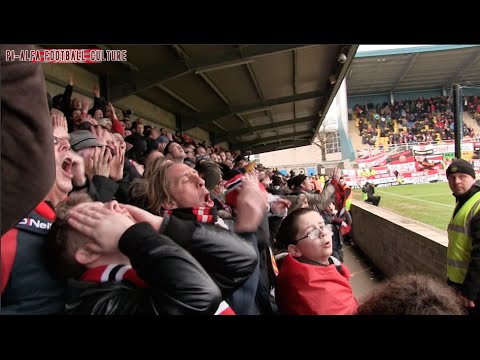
158 187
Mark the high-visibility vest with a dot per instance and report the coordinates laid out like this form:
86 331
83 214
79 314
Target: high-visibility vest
460 240
364 195
348 200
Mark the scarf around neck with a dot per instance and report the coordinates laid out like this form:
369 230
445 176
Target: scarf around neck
118 272
113 272
202 214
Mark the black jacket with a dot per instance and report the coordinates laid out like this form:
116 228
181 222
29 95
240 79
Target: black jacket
100 188
369 189
228 258
129 173
178 284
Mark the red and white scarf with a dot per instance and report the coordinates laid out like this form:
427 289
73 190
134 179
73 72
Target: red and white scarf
202 214
118 272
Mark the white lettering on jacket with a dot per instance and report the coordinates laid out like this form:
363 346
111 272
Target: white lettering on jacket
35 223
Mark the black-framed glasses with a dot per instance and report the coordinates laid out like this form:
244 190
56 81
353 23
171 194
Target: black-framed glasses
314 234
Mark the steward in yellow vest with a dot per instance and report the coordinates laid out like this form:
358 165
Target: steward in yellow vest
463 255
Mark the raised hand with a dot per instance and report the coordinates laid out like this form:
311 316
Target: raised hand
100 162
78 169
141 215
104 226
251 205
113 114
60 121
85 105
336 174
116 165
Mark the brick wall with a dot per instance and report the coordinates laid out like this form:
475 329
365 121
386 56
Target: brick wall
398 245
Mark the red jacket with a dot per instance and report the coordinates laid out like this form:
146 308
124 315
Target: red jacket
304 289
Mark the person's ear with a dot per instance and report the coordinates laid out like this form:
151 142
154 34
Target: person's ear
293 249
85 255
169 205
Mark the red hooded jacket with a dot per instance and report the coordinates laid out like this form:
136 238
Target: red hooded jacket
304 289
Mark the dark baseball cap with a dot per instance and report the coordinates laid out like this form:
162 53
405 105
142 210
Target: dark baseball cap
82 139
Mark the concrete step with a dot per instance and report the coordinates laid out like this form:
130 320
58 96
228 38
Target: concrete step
364 277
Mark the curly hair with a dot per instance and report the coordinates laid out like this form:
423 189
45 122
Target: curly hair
412 294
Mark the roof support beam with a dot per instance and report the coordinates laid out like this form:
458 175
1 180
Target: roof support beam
251 144
181 54
205 118
259 92
266 127
405 71
279 146
340 75
178 97
133 82
294 71
463 68
130 83
222 96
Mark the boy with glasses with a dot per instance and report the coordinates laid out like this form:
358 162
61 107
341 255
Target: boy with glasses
310 280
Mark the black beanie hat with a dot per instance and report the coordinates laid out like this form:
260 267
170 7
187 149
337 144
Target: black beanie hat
277 180
298 180
461 166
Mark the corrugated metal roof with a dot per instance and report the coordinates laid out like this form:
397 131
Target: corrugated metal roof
411 69
263 97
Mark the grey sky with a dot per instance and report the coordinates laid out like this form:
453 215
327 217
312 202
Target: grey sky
364 48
